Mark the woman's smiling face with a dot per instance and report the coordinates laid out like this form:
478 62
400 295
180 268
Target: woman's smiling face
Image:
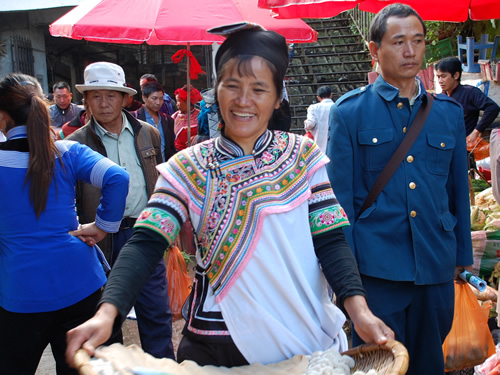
247 100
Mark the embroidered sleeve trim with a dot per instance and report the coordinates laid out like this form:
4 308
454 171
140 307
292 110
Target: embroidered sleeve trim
325 212
164 214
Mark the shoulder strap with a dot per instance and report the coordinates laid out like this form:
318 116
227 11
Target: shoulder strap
399 155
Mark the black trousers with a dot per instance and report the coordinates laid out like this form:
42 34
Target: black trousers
24 336
205 353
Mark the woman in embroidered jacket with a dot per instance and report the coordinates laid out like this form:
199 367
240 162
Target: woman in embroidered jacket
267 224
50 280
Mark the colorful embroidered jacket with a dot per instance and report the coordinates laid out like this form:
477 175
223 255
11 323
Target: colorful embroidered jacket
233 194
254 217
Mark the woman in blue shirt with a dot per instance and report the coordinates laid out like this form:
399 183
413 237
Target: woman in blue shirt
50 280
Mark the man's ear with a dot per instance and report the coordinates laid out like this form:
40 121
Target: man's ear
372 46
456 76
125 100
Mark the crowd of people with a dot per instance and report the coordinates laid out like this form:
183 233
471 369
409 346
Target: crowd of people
279 220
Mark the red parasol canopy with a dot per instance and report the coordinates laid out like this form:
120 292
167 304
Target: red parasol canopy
429 10
307 8
169 22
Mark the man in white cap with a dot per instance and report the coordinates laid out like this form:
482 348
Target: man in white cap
136 146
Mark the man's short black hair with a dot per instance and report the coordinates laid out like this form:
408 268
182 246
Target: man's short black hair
449 65
378 26
150 88
324 92
61 85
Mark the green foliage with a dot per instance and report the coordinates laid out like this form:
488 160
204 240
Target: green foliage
187 257
441 38
479 185
437 30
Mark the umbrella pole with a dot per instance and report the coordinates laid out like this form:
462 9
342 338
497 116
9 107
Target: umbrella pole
188 99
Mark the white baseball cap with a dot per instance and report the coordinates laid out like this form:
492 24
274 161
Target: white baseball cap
105 76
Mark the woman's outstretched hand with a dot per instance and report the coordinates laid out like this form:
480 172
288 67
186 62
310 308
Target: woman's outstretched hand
92 333
370 329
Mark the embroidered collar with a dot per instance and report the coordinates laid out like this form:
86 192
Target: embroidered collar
227 147
17 132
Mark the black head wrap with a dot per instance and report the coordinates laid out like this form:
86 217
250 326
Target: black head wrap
267 44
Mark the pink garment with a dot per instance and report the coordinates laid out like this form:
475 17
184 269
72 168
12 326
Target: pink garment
180 127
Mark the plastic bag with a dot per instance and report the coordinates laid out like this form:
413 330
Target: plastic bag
469 342
480 148
179 282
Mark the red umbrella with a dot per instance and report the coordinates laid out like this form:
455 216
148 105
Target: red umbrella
443 10
166 22
307 8
169 21
429 10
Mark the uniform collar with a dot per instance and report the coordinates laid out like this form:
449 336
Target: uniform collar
389 92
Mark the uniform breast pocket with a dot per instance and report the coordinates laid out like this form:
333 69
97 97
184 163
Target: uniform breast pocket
376 148
439 153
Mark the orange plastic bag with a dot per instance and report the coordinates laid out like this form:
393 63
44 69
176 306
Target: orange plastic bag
469 342
480 148
179 282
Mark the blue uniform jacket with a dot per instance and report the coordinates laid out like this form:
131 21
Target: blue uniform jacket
419 227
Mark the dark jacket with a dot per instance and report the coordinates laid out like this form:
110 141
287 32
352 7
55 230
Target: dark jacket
473 101
167 124
148 148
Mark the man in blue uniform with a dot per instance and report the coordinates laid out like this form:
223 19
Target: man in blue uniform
411 242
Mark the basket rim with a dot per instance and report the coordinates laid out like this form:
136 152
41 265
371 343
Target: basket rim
398 350
82 362
400 366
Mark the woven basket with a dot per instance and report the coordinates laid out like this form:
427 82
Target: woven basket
82 361
388 359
